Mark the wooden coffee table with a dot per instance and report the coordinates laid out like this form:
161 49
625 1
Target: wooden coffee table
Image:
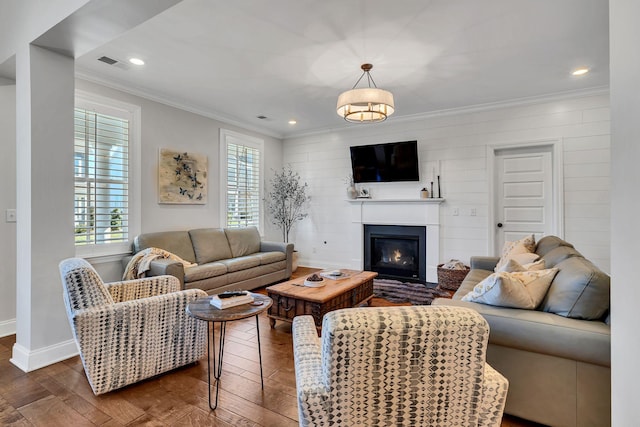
292 298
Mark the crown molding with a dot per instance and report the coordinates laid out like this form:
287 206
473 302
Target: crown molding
172 103
538 99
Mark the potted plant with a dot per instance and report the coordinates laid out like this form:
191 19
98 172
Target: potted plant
286 203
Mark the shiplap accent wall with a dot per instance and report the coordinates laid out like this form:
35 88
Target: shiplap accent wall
456 145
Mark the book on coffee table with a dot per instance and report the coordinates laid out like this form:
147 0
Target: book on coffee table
229 302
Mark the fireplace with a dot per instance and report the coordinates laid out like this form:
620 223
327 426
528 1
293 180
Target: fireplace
396 251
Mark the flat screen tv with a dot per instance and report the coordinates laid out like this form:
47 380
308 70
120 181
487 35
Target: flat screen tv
394 161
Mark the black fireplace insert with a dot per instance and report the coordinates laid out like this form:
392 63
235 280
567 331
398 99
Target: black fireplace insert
396 251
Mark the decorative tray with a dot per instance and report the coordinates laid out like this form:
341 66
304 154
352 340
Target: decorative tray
335 274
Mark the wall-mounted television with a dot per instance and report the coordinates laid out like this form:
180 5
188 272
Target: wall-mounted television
393 161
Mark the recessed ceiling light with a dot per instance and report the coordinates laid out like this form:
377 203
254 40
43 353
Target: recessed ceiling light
136 61
292 122
580 71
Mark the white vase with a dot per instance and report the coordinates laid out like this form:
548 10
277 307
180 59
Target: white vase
352 193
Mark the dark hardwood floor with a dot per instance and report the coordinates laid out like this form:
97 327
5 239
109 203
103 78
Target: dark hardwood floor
59 394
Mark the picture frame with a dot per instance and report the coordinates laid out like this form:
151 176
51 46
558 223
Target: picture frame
363 193
182 177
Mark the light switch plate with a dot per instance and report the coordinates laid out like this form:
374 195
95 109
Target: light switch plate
10 215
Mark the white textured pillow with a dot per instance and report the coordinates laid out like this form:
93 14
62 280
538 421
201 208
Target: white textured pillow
513 266
524 289
520 250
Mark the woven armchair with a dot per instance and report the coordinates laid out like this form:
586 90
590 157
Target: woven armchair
400 366
131 330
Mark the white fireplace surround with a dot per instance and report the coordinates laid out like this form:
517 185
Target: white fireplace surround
422 212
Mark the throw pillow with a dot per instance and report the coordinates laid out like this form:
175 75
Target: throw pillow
524 289
526 245
513 266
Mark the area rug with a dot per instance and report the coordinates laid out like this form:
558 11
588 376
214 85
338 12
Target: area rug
414 293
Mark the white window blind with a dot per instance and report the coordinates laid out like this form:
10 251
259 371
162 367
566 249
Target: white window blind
243 185
101 157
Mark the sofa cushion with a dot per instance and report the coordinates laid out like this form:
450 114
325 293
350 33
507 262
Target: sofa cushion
510 250
210 244
241 263
559 254
513 266
243 241
545 333
252 273
522 289
204 271
470 281
176 242
580 290
548 243
271 257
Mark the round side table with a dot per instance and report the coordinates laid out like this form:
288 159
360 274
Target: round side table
203 310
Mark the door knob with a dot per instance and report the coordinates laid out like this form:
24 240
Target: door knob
499 225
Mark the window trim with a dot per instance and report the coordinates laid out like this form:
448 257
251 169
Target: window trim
226 137
91 101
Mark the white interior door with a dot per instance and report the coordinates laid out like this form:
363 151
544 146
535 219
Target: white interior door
524 194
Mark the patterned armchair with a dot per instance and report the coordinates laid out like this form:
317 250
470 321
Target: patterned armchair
400 366
132 330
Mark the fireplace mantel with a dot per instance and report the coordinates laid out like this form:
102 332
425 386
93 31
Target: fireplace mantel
423 212
370 200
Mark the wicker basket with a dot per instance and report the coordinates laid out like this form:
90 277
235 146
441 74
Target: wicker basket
451 279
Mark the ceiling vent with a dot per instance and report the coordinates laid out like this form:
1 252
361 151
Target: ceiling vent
107 60
114 62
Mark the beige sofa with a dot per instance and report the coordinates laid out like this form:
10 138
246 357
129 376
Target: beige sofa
557 357
227 259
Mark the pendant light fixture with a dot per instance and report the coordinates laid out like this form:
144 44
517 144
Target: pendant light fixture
365 105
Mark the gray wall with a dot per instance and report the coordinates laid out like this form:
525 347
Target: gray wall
7 201
168 127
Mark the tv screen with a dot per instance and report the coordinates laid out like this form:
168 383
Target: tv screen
394 161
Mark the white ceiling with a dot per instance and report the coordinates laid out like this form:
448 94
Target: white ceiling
290 59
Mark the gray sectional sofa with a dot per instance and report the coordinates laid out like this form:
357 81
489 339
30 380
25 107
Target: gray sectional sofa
229 258
557 358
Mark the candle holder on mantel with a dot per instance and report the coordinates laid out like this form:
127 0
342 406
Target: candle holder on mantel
431 192
424 193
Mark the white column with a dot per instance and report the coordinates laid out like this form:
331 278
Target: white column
625 204
44 202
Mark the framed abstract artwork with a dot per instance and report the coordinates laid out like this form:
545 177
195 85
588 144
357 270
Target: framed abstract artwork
182 177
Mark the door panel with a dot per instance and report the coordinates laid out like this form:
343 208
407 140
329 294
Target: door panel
524 194
525 215
515 190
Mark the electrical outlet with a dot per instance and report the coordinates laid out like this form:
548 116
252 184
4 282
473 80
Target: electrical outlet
455 211
473 211
10 215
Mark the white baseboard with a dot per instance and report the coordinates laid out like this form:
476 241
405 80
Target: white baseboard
30 360
7 327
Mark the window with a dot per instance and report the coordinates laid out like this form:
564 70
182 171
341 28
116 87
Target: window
104 217
241 169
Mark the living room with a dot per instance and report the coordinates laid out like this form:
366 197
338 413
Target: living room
456 144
